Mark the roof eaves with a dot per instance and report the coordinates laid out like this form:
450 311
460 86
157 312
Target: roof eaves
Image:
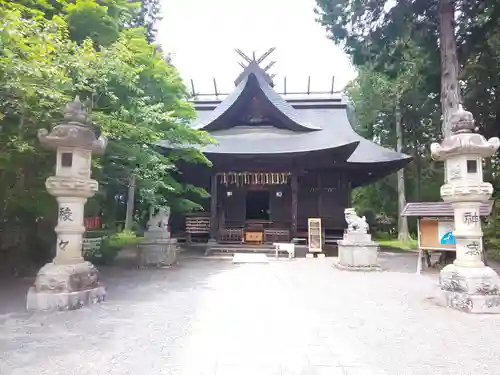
440 209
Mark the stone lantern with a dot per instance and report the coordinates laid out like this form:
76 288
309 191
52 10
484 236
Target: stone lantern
69 282
467 284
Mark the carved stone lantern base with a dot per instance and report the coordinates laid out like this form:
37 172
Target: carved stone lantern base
470 289
65 287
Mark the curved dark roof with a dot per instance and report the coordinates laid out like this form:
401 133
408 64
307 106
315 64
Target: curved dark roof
298 126
272 140
253 84
332 119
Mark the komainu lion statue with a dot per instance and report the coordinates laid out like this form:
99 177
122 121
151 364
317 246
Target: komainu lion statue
354 222
159 222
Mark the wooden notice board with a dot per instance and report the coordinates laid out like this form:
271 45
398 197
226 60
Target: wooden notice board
436 234
315 236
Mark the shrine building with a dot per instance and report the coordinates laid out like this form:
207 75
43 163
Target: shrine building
276 163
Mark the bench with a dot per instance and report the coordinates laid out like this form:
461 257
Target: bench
300 240
286 247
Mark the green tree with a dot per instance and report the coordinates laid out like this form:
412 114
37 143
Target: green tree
371 30
148 17
387 111
136 97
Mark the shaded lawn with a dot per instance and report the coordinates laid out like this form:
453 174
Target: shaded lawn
395 244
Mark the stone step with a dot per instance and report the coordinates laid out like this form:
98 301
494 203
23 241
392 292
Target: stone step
231 249
245 245
250 258
243 251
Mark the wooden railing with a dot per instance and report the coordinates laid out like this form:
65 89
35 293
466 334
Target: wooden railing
231 235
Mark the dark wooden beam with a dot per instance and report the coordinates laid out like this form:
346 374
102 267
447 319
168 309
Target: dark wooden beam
320 195
213 207
294 186
349 194
264 56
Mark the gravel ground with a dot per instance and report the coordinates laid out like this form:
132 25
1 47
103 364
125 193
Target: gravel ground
286 317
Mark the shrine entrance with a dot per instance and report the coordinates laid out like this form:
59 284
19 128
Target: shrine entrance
257 205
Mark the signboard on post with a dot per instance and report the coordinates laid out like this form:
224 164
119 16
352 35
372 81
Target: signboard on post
315 235
445 232
436 234
436 225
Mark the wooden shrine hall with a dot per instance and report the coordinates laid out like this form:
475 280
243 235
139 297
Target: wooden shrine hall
278 162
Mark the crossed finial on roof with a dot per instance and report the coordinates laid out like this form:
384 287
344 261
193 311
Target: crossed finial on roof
254 62
254 59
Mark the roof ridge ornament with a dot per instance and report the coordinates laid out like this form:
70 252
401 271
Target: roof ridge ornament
252 66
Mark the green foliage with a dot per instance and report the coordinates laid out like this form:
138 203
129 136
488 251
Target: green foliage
492 233
123 239
32 90
395 46
395 244
148 16
110 246
371 32
89 20
52 51
376 97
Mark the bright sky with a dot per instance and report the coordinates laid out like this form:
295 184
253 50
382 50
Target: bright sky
201 36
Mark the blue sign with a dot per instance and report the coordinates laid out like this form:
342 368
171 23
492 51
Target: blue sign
448 239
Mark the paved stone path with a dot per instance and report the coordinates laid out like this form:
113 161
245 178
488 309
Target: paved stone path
281 318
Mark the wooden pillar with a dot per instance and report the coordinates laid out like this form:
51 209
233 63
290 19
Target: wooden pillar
320 195
349 190
294 185
213 207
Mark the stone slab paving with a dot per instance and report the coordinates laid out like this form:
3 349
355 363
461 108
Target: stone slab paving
213 317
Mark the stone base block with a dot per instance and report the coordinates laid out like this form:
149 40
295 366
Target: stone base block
309 255
48 301
157 253
358 255
210 244
65 287
321 255
471 303
470 289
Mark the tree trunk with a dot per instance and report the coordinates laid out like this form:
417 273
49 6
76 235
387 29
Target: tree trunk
418 175
402 220
450 90
129 216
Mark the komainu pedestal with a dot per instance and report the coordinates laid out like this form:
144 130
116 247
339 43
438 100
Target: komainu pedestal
158 249
467 284
357 250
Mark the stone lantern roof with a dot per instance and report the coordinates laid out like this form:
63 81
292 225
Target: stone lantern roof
464 139
462 121
75 130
